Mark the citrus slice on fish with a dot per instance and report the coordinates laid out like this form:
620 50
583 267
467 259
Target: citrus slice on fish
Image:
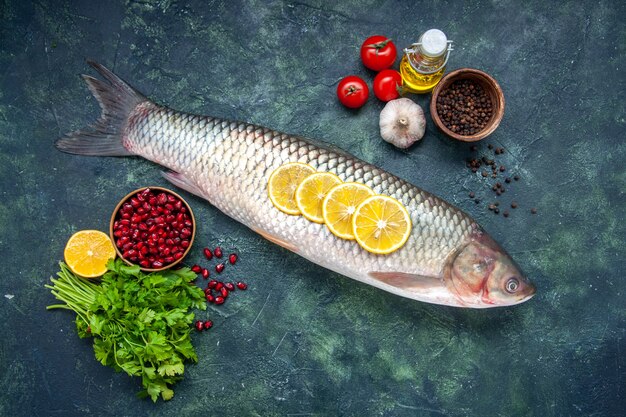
381 224
340 205
311 193
283 183
87 253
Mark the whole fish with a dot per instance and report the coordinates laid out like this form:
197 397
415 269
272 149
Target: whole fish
448 259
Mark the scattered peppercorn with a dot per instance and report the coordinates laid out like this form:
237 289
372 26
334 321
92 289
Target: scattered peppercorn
516 177
507 180
476 201
471 194
513 204
464 107
496 210
533 210
505 213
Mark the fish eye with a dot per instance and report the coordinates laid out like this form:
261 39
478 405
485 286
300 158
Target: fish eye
512 285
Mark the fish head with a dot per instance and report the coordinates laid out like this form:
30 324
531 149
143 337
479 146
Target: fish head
481 275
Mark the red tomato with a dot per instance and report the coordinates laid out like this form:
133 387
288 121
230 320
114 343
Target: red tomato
352 91
386 84
378 52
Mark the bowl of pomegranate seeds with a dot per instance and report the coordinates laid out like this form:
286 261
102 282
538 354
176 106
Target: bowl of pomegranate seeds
152 227
467 105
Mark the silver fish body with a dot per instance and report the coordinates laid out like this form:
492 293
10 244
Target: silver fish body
447 259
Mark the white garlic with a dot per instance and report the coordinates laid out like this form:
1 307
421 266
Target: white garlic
402 122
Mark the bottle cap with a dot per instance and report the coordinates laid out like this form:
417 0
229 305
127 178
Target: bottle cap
434 42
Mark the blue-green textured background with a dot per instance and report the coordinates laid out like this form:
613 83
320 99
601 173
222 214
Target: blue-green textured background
304 341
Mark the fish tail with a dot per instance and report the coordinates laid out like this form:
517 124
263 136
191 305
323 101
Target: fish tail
117 100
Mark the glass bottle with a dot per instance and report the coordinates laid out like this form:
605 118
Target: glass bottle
423 65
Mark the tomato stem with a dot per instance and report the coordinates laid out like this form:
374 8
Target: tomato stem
379 45
352 90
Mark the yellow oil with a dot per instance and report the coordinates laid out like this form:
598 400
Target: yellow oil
415 82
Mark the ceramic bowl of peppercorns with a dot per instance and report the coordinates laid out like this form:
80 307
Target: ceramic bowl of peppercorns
152 227
467 105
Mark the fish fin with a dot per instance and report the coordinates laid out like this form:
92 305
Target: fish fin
117 100
406 281
277 240
183 182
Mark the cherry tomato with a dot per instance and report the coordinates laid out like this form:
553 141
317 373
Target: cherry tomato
386 84
378 52
352 91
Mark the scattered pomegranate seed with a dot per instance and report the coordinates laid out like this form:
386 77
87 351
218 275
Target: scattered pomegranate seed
219 268
224 292
207 253
232 258
217 252
219 300
197 269
212 284
242 285
218 286
205 273
210 298
207 324
199 325
229 286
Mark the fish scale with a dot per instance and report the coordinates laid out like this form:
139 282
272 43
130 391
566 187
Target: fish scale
447 258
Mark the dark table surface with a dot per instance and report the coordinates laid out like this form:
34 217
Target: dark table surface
304 341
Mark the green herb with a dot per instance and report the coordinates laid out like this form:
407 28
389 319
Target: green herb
140 323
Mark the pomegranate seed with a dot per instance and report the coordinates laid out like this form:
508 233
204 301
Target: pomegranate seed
224 292
207 324
232 258
145 263
219 286
171 198
161 199
178 255
157 264
184 244
210 298
218 252
219 268
207 253
219 300
205 273
169 259
199 325
242 285
229 286
197 269
212 284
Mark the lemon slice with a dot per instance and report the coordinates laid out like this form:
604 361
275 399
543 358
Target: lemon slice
339 206
311 193
283 183
87 253
381 224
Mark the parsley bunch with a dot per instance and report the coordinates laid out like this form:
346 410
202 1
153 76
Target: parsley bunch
140 323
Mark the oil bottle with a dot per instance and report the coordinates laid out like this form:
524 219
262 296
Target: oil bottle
423 65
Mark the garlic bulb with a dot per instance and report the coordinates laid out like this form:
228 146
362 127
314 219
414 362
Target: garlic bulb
402 122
